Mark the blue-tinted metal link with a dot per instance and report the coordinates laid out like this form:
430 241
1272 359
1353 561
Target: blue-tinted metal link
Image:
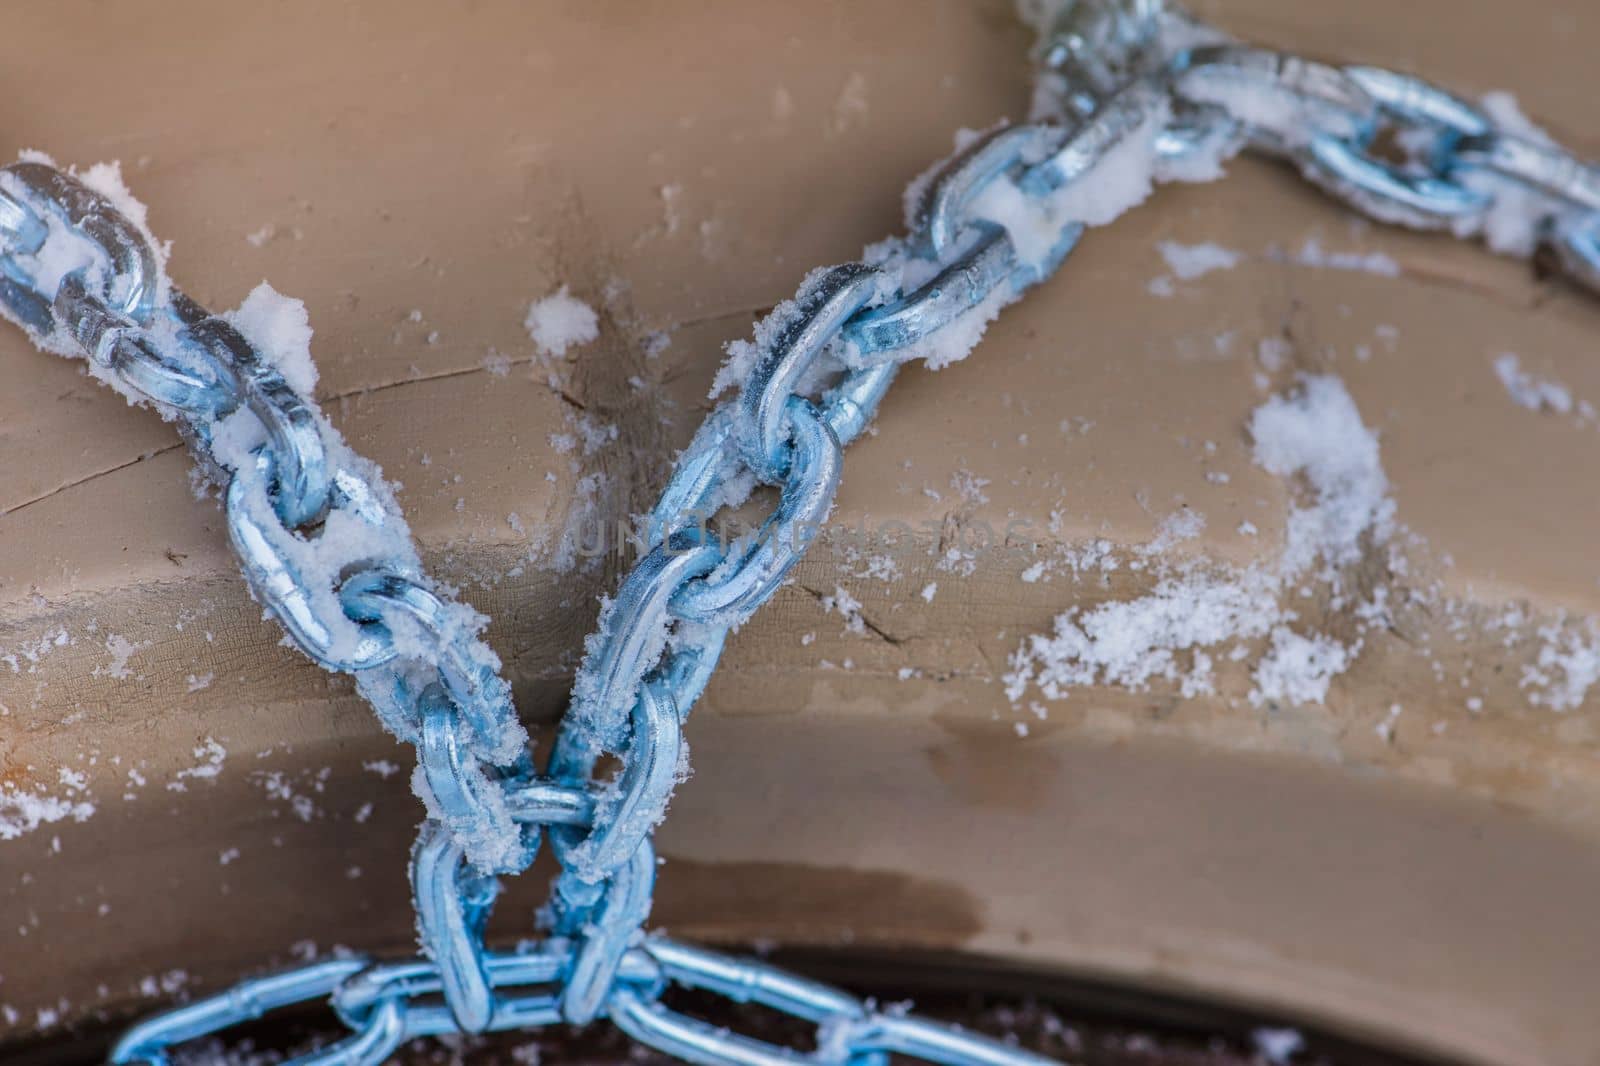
1283 100
918 1038
1198 133
977 259
1095 47
1121 117
851 1034
1387 192
453 905
704 469
1426 197
812 480
549 803
691 662
1543 168
127 264
268 554
612 677
746 981
764 404
650 769
244 1002
304 482
483 699
1326 119
1416 102
116 343
607 928
945 208
380 1037
1577 245
849 406
883 334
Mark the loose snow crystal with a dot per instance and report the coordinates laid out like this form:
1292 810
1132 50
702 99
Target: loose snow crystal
849 609
1130 644
1312 254
209 756
1315 434
1566 667
1317 431
1536 394
1190 261
22 812
1297 668
561 321
1278 1046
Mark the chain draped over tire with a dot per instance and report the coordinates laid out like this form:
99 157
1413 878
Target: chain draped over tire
325 549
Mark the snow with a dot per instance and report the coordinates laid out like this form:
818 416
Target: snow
280 785
1517 212
1278 1046
1313 436
1566 665
1385 728
21 812
1273 353
1292 117
1297 669
1538 394
121 650
583 534
280 328
656 342
850 108
1121 179
1317 431
34 651
561 321
849 609
1190 261
1174 529
743 354
1312 254
957 339
209 756
1131 643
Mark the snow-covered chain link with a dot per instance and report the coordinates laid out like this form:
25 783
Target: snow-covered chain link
83 279
1120 78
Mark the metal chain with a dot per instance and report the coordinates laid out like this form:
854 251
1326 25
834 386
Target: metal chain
1117 75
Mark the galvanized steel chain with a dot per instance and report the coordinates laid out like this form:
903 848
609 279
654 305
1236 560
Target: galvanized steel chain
1116 75
84 280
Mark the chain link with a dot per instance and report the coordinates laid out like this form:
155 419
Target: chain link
1114 71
